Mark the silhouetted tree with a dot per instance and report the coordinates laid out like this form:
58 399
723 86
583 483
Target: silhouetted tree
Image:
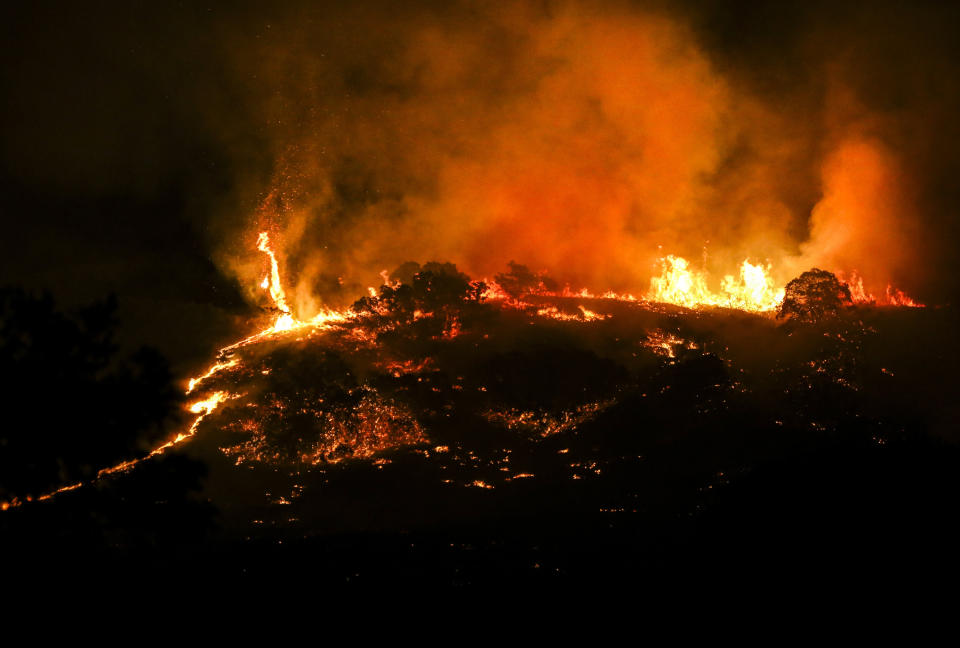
521 281
436 290
70 405
814 296
404 272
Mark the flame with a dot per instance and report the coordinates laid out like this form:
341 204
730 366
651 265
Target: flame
359 432
753 290
584 314
892 297
206 406
285 320
665 343
857 292
678 284
225 360
219 366
201 408
899 298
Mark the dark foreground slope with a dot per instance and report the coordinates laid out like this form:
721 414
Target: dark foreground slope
654 446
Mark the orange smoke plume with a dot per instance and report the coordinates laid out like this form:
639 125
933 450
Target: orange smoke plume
587 144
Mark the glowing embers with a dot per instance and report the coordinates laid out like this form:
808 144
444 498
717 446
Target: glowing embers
678 284
582 315
542 423
284 431
666 344
397 368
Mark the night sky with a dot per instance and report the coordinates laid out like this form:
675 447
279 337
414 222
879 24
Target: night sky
139 140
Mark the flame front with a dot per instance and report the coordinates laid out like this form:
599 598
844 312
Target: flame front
892 296
677 283
754 290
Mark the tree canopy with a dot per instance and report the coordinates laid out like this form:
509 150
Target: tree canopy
814 296
71 403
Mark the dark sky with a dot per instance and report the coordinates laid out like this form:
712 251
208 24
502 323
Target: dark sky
138 139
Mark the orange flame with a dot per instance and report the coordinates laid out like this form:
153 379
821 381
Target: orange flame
860 295
285 320
678 284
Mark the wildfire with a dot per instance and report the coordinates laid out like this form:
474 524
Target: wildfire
219 366
583 314
678 284
375 425
271 282
753 289
665 343
543 423
860 295
225 360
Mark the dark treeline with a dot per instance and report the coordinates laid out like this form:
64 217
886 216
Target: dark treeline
71 403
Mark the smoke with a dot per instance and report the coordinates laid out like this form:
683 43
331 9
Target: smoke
571 141
585 140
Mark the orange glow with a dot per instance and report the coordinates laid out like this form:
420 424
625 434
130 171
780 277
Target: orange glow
860 221
375 425
753 290
665 344
272 281
678 284
202 408
603 141
216 367
891 296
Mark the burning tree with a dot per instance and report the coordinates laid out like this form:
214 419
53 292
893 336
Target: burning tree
437 293
521 281
813 296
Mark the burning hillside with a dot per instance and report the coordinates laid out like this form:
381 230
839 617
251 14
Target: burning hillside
360 382
469 292
439 407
